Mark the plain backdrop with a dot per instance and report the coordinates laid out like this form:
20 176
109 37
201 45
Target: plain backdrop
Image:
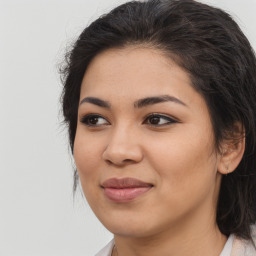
38 215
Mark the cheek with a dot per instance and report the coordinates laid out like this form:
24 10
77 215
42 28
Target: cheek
87 157
186 176
185 160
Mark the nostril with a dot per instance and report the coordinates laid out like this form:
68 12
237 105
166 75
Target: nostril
122 154
128 160
123 162
108 162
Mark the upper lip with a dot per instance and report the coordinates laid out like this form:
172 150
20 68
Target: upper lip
125 183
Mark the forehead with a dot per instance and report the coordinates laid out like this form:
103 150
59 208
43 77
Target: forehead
135 72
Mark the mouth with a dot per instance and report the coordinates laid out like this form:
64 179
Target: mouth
125 189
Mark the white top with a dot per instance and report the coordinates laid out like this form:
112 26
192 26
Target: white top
228 246
107 250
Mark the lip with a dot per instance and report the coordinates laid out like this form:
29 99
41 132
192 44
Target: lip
124 189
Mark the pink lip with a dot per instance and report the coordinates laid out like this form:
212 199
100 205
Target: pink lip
126 189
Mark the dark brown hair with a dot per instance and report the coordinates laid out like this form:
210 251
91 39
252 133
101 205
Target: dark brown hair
210 46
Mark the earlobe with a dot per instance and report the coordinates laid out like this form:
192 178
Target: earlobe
232 154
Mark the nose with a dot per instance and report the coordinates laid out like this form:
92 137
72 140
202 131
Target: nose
123 148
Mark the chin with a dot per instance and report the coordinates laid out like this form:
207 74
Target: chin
131 227
131 231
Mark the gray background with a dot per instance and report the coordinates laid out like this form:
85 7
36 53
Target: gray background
37 213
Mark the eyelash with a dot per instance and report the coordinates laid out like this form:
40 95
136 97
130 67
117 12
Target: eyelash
169 120
86 120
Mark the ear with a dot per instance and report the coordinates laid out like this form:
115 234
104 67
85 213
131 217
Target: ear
232 150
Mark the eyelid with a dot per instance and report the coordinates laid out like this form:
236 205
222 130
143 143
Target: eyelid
85 118
170 119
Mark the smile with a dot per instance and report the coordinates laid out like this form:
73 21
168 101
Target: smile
124 190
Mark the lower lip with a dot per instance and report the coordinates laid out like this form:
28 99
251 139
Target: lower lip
125 194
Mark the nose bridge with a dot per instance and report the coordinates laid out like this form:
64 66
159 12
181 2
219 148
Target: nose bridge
123 145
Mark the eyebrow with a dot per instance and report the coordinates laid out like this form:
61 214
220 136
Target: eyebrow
96 101
137 104
156 99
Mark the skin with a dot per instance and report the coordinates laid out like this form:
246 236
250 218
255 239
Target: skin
177 216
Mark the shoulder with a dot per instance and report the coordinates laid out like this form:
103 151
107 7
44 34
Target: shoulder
243 247
106 250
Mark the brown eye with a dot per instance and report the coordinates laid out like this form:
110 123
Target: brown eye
154 120
159 120
94 120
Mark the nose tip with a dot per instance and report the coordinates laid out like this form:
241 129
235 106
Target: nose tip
122 154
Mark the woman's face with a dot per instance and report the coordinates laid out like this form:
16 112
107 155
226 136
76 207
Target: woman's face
140 118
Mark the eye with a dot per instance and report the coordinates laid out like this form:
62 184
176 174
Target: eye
159 120
94 120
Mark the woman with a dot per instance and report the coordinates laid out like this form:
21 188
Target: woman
160 101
